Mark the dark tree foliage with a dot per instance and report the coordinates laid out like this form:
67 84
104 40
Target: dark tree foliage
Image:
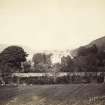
13 54
93 49
88 59
42 62
101 57
27 66
42 58
84 51
11 59
66 64
92 63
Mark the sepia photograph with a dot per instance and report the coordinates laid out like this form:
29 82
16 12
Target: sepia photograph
52 52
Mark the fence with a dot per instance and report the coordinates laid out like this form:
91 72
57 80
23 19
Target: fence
59 78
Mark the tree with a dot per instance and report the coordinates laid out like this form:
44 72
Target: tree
87 59
27 66
42 58
42 62
101 57
10 60
66 63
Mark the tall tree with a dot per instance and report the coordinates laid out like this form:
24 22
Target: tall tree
10 60
66 63
42 62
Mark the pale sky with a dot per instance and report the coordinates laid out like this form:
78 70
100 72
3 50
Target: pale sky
51 24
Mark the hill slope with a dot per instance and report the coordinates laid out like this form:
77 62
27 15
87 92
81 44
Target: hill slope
100 43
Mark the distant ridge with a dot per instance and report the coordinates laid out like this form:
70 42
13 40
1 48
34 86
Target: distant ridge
100 43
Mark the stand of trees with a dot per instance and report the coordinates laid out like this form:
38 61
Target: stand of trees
42 62
88 59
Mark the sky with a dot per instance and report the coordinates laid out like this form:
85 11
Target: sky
51 24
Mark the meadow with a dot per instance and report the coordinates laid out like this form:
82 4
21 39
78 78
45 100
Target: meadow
69 94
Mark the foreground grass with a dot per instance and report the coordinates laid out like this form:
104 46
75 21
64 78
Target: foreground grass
73 94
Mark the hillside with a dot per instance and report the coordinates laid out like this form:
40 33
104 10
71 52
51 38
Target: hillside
100 43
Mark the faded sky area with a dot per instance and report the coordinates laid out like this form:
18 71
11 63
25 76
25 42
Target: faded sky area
51 24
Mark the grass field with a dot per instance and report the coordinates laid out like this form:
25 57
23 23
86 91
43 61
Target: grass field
72 94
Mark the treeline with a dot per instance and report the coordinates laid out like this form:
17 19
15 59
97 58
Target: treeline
13 59
88 59
67 79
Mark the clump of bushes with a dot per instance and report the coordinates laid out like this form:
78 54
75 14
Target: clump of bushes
58 80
